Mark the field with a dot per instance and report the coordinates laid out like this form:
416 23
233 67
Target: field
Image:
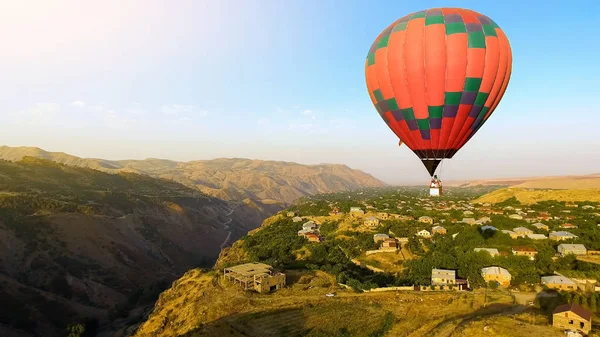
526 196
390 262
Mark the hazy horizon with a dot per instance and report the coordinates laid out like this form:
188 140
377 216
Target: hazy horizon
282 81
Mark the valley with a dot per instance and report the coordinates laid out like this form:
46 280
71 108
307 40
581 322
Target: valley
348 282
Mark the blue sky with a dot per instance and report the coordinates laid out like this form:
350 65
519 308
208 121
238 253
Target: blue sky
281 80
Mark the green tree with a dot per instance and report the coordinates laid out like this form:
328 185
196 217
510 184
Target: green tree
493 284
75 330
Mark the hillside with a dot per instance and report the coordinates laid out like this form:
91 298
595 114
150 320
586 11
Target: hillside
79 245
259 182
531 196
204 304
591 181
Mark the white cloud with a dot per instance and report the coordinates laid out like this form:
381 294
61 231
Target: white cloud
307 112
78 104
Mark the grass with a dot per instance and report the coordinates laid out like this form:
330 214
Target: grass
528 197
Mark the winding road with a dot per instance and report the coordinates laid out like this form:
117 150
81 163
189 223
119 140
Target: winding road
226 227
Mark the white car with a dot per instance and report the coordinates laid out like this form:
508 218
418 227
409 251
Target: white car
330 295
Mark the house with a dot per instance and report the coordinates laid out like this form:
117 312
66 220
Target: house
540 225
290 214
296 219
310 225
511 233
389 245
572 317
438 230
516 216
524 251
509 208
562 235
424 233
568 226
522 231
498 274
304 231
443 276
468 213
383 215
469 221
487 228
565 249
588 207
426 219
484 220
380 237
558 282
371 221
356 212
492 251
313 237
257 276
537 236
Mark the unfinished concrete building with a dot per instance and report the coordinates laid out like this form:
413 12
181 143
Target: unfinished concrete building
257 276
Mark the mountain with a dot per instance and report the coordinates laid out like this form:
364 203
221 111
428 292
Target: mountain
80 245
258 182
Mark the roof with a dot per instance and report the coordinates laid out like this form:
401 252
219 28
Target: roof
564 233
495 271
539 224
522 229
437 227
523 249
370 218
492 251
574 308
385 236
506 231
424 217
537 236
250 269
486 227
557 279
572 246
443 271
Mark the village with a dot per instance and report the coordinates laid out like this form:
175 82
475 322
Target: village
549 249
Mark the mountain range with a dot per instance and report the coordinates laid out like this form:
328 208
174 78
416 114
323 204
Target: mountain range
261 183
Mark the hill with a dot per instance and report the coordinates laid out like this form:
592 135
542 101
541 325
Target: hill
591 181
80 245
531 196
262 183
203 303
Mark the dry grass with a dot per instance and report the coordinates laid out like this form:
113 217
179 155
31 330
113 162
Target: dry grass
589 258
200 305
526 196
389 262
517 325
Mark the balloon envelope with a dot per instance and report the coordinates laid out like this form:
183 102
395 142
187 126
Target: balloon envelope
435 77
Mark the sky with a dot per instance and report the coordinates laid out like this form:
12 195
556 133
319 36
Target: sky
282 80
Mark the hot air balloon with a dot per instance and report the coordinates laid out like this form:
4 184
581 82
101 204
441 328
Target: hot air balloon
435 77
